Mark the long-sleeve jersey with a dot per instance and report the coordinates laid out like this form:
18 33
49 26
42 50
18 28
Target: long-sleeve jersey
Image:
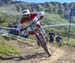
32 17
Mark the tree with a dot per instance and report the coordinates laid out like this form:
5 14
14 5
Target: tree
5 1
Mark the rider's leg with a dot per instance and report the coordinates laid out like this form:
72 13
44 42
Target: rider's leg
32 33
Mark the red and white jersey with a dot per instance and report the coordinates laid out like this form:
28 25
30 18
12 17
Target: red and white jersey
32 17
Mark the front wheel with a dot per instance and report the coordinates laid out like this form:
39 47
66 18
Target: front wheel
42 41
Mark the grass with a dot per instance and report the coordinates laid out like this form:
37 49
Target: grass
65 41
7 19
71 41
8 38
54 19
7 49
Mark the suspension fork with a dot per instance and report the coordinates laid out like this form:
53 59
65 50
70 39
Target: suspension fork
42 32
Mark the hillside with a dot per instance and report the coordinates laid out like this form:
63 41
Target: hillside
25 50
9 12
9 9
49 19
49 7
30 52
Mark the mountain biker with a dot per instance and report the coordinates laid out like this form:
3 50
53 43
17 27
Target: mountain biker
29 17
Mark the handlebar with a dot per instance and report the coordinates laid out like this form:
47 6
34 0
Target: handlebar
34 22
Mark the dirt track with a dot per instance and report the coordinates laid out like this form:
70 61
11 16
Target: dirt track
31 53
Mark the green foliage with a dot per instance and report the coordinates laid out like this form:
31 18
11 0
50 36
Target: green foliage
71 41
52 19
6 37
7 49
6 19
13 38
32 37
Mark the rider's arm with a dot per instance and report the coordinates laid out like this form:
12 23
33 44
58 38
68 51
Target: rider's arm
22 20
40 15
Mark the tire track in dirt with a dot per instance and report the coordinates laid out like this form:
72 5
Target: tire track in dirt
56 55
31 53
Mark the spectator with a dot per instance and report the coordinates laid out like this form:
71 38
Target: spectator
51 36
59 39
11 30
